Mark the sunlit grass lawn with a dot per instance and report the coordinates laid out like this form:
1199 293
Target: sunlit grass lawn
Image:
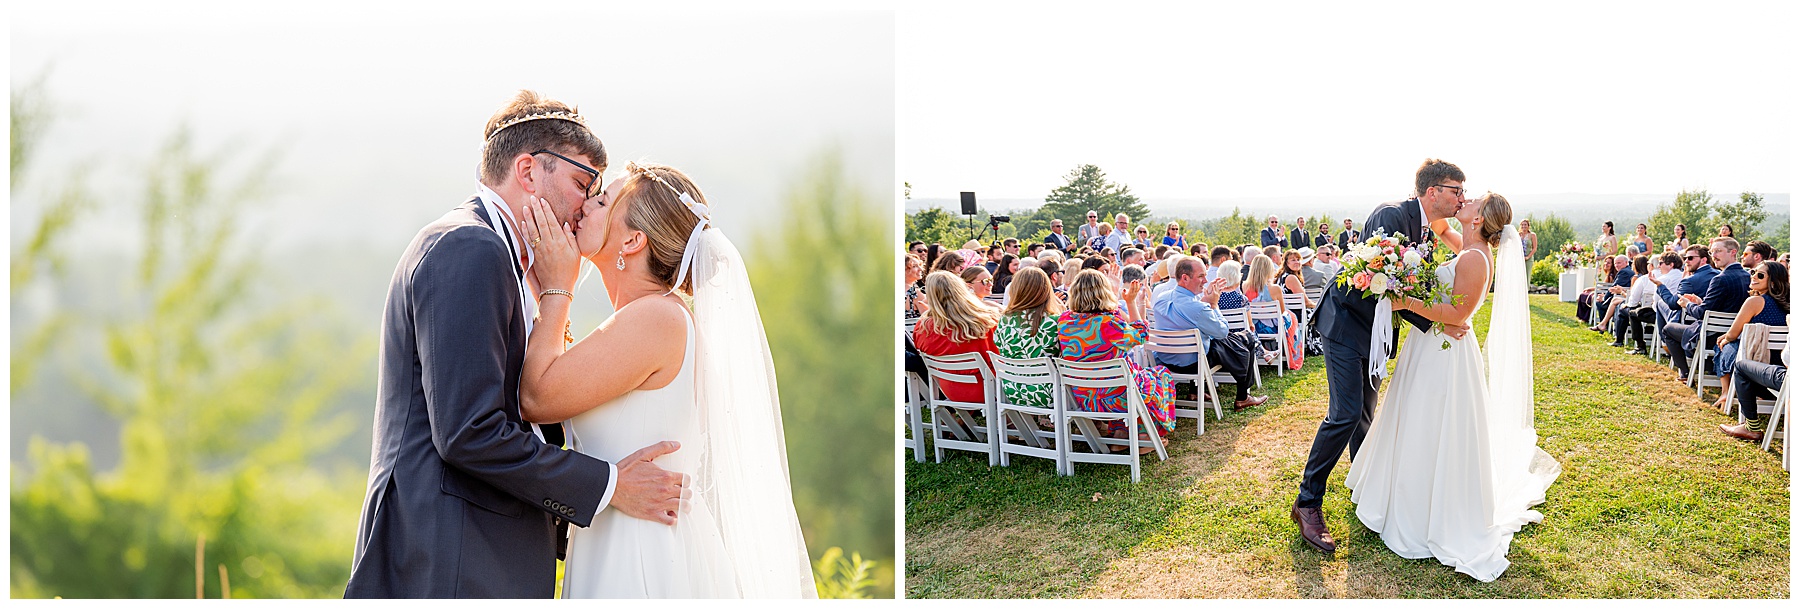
1653 502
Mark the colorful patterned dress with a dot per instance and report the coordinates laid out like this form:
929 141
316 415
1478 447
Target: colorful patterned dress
1013 339
1091 337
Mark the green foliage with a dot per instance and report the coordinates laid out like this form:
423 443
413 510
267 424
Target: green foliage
221 406
826 291
1745 215
839 577
1546 272
1087 188
1690 207
1233 230
1777 232
1552 231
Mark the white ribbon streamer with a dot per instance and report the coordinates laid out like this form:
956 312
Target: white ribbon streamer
1381 338
687 254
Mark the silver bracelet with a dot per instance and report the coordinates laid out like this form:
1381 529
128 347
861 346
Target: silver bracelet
550 291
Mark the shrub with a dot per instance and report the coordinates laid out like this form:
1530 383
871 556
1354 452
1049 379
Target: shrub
1545 272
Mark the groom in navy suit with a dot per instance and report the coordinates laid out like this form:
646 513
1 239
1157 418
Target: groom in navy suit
465 498
1345 321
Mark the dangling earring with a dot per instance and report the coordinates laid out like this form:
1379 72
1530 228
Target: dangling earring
621 263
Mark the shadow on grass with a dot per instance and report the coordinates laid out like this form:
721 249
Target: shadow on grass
1539 313
1023 531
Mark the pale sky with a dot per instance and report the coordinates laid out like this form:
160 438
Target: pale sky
1250 99
380 107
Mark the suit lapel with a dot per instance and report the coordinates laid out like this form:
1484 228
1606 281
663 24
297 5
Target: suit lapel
499 226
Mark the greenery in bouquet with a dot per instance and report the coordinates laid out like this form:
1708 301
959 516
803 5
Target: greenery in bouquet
1383 267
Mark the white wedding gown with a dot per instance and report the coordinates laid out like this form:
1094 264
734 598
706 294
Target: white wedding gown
1445 472
619 556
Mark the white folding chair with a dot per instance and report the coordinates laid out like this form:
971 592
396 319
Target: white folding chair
917 399
1712 325
1112 373
1777 342
1238 319
1271 313
1656 352
954 425
1033 442
1297 304
1175 342
1317 295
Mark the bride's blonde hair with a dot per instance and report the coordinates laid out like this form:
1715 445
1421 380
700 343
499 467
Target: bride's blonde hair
656 209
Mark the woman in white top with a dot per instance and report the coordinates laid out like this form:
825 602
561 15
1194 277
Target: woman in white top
1641 291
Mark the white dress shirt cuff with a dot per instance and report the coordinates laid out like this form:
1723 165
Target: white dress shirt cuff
612 484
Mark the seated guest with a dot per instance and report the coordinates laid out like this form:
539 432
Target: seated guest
1295 276
1698 273
980 283
1103 239
1027 330
1035 249
1726 293
1766 305
1231 298
1200 250
1327 264
1009 264
1757 377
1219 254
1130 274
1142 241
1636 304
1098 327
1604 301
1053 270
950 260
1070 268
1584 304
1648 309
1260 287
955 322
914 295
1182 308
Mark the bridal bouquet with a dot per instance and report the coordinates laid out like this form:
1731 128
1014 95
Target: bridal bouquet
1384 268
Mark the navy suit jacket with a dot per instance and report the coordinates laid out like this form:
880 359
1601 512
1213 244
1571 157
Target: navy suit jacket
463 500
1623 278
1059 240
1271 236
1297 239
1349 318
1345 238
1693 284
1726 294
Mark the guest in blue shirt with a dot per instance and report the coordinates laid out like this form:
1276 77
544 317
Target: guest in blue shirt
1193 305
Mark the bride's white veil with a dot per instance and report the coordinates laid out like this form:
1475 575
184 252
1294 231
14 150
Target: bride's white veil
1512 430
743 475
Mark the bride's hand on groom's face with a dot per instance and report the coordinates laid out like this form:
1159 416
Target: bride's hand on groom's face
558 262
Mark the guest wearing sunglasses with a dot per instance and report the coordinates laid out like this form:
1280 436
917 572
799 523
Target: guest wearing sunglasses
1271 234
1767 305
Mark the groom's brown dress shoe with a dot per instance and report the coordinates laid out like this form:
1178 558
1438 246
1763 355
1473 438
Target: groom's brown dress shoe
1312 528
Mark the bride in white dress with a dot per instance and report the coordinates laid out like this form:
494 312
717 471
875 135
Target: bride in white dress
656 371
1451 466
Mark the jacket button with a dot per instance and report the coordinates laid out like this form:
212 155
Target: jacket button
548 503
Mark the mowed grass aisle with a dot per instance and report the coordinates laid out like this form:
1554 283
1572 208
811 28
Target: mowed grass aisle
1653 502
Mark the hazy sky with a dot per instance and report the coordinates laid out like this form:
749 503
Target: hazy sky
379 109
1282 99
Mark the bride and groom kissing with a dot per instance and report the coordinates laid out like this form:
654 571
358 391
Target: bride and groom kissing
1449 467
675 475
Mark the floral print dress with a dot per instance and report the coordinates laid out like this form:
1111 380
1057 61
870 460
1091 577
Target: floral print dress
1013 338
1289 332
1097 337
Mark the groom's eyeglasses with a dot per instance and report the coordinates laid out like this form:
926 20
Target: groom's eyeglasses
593 186
1458 189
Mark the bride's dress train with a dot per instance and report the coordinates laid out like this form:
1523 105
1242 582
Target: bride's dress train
1451 469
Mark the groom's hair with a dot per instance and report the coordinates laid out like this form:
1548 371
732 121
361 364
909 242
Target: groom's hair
564 136
1433 172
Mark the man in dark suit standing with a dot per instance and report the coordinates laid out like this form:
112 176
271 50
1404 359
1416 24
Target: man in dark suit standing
1348 237
465 499
1056 238
1725 293
1297 238
1345 321
1271 235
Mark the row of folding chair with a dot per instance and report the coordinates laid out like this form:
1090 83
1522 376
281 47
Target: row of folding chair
1001 429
